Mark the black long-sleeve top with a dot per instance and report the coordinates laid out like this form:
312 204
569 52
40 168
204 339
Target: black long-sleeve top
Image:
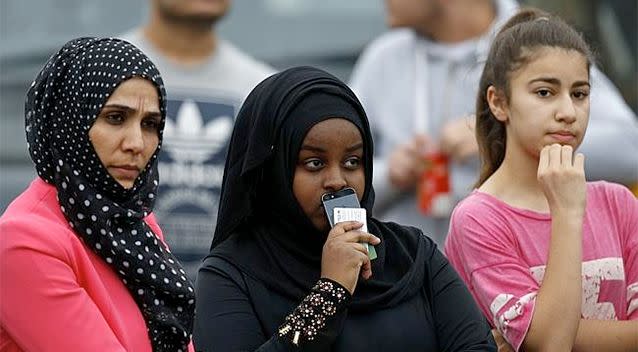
235 312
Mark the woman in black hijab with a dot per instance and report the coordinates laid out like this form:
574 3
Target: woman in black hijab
278 278
84 266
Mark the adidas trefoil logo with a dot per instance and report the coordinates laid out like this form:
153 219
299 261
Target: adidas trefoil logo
189 140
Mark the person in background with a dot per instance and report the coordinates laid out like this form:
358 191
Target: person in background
207 78
551 259
83 263
418 83
278 278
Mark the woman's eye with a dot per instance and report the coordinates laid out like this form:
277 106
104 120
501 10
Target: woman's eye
115 118
151 124
313 164
543 93
580 94
353 163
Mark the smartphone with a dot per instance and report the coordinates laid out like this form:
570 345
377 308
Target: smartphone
345 198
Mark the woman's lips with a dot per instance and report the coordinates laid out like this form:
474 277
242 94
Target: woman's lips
124 172
563 137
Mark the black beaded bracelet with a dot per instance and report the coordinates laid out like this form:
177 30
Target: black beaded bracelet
324 300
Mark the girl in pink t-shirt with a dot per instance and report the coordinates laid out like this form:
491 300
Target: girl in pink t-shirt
551 259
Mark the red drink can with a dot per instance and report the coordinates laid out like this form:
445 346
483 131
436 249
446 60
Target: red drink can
433 191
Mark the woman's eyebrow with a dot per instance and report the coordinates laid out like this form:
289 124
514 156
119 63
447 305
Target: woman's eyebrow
557 82
118 106
355 147
313 148
581 83
550 80
153 114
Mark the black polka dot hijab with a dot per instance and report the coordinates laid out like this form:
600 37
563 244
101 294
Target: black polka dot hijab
61 106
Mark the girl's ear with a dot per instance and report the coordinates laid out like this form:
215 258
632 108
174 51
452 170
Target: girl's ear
497 103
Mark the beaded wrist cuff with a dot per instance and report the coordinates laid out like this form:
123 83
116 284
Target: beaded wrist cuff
324 300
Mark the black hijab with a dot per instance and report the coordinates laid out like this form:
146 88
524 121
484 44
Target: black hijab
261 228
61 106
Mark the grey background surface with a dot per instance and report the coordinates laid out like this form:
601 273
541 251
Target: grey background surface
329 34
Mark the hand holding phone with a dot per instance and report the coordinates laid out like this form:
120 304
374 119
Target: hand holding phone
344 259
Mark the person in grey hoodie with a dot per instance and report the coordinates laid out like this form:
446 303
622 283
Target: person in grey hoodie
418 84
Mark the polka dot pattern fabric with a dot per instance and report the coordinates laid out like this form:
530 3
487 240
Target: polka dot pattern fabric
61 106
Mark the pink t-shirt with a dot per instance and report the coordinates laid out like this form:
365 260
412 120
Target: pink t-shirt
501 252
55 293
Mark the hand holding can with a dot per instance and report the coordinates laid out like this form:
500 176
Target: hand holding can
434 196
